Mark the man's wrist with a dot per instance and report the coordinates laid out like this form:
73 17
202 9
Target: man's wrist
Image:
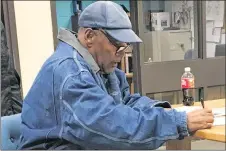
181 121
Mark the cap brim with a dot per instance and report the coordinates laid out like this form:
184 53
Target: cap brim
124 35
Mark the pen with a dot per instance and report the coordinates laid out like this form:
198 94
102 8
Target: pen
202 102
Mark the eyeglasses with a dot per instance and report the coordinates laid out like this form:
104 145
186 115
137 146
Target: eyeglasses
120 49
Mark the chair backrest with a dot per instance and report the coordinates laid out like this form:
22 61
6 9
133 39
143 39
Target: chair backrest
220 50
10 131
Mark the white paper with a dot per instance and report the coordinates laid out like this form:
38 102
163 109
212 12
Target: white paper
219 111
220 120
209 34
209 24
223 38
215 10
218 23
219 116
213 34
209 31
216 111
210 49
216 34
187 108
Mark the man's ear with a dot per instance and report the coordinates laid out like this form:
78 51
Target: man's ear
89 36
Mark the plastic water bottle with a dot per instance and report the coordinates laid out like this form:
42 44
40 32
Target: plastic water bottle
187 86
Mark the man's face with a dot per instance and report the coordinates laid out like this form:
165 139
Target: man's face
108 52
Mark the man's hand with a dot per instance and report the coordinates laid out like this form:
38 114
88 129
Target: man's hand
199 119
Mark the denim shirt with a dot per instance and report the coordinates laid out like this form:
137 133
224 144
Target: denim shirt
71 105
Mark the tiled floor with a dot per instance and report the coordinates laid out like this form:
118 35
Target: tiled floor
204 145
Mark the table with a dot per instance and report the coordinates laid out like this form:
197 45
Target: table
216 133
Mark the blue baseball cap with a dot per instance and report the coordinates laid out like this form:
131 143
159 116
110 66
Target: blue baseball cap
112 18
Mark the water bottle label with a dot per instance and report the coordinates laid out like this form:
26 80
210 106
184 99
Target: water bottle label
187 83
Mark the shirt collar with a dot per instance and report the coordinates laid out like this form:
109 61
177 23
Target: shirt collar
70 38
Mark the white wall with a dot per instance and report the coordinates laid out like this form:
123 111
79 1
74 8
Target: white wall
35 38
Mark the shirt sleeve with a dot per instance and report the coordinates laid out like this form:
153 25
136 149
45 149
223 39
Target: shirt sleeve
93 120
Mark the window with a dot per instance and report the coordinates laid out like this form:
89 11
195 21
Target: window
168 28
174 37
215 31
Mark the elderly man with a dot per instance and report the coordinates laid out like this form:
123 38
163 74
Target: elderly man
80 100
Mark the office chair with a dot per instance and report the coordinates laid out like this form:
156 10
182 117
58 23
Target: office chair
10 131
191 54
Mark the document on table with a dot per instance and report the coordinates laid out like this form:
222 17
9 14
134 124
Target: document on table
219 116
219 120
219 113
216 111
187 108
